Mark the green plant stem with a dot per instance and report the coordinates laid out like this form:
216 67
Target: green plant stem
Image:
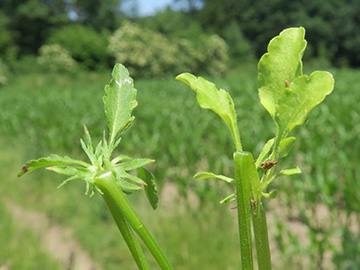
107 183
126 232
261 237
236 136
243 207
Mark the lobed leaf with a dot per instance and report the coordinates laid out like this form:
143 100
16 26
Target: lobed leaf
150 187
281 64
51 160
119 101
301 97
209 97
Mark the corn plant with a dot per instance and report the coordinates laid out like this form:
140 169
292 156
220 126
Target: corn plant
288 95
110 176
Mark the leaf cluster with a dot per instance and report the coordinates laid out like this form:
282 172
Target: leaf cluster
285 92
119 101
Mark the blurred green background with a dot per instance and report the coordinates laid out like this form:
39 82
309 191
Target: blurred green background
56 57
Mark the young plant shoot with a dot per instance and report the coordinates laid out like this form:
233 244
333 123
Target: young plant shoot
288 96
110 177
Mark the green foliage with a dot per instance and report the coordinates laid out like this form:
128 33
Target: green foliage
56 59
119 101
6 36
218 101
3 73
84 44
288 96
150 54
284 91
331 25
30 22
329 175
240 49
17 241
99 14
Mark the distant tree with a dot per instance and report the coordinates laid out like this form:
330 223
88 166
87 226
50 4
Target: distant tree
99 14
332 25
30 21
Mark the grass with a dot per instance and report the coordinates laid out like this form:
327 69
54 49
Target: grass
43 114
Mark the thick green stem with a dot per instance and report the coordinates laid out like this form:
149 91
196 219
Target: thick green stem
107 183
126 232
261 236
242 183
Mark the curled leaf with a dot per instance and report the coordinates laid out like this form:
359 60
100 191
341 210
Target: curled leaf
150 188
219 101
228 199
271 195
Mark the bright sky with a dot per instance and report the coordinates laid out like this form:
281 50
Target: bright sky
149 7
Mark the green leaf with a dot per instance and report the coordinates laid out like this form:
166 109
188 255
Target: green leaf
120 158
219 101
266 149
285 93
71 178
128 186
301 97
290 171
285 146
121 173
150 187
51 160
135 163
71 170
119 100
271 195
281 64
89 152
228 199
204 175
